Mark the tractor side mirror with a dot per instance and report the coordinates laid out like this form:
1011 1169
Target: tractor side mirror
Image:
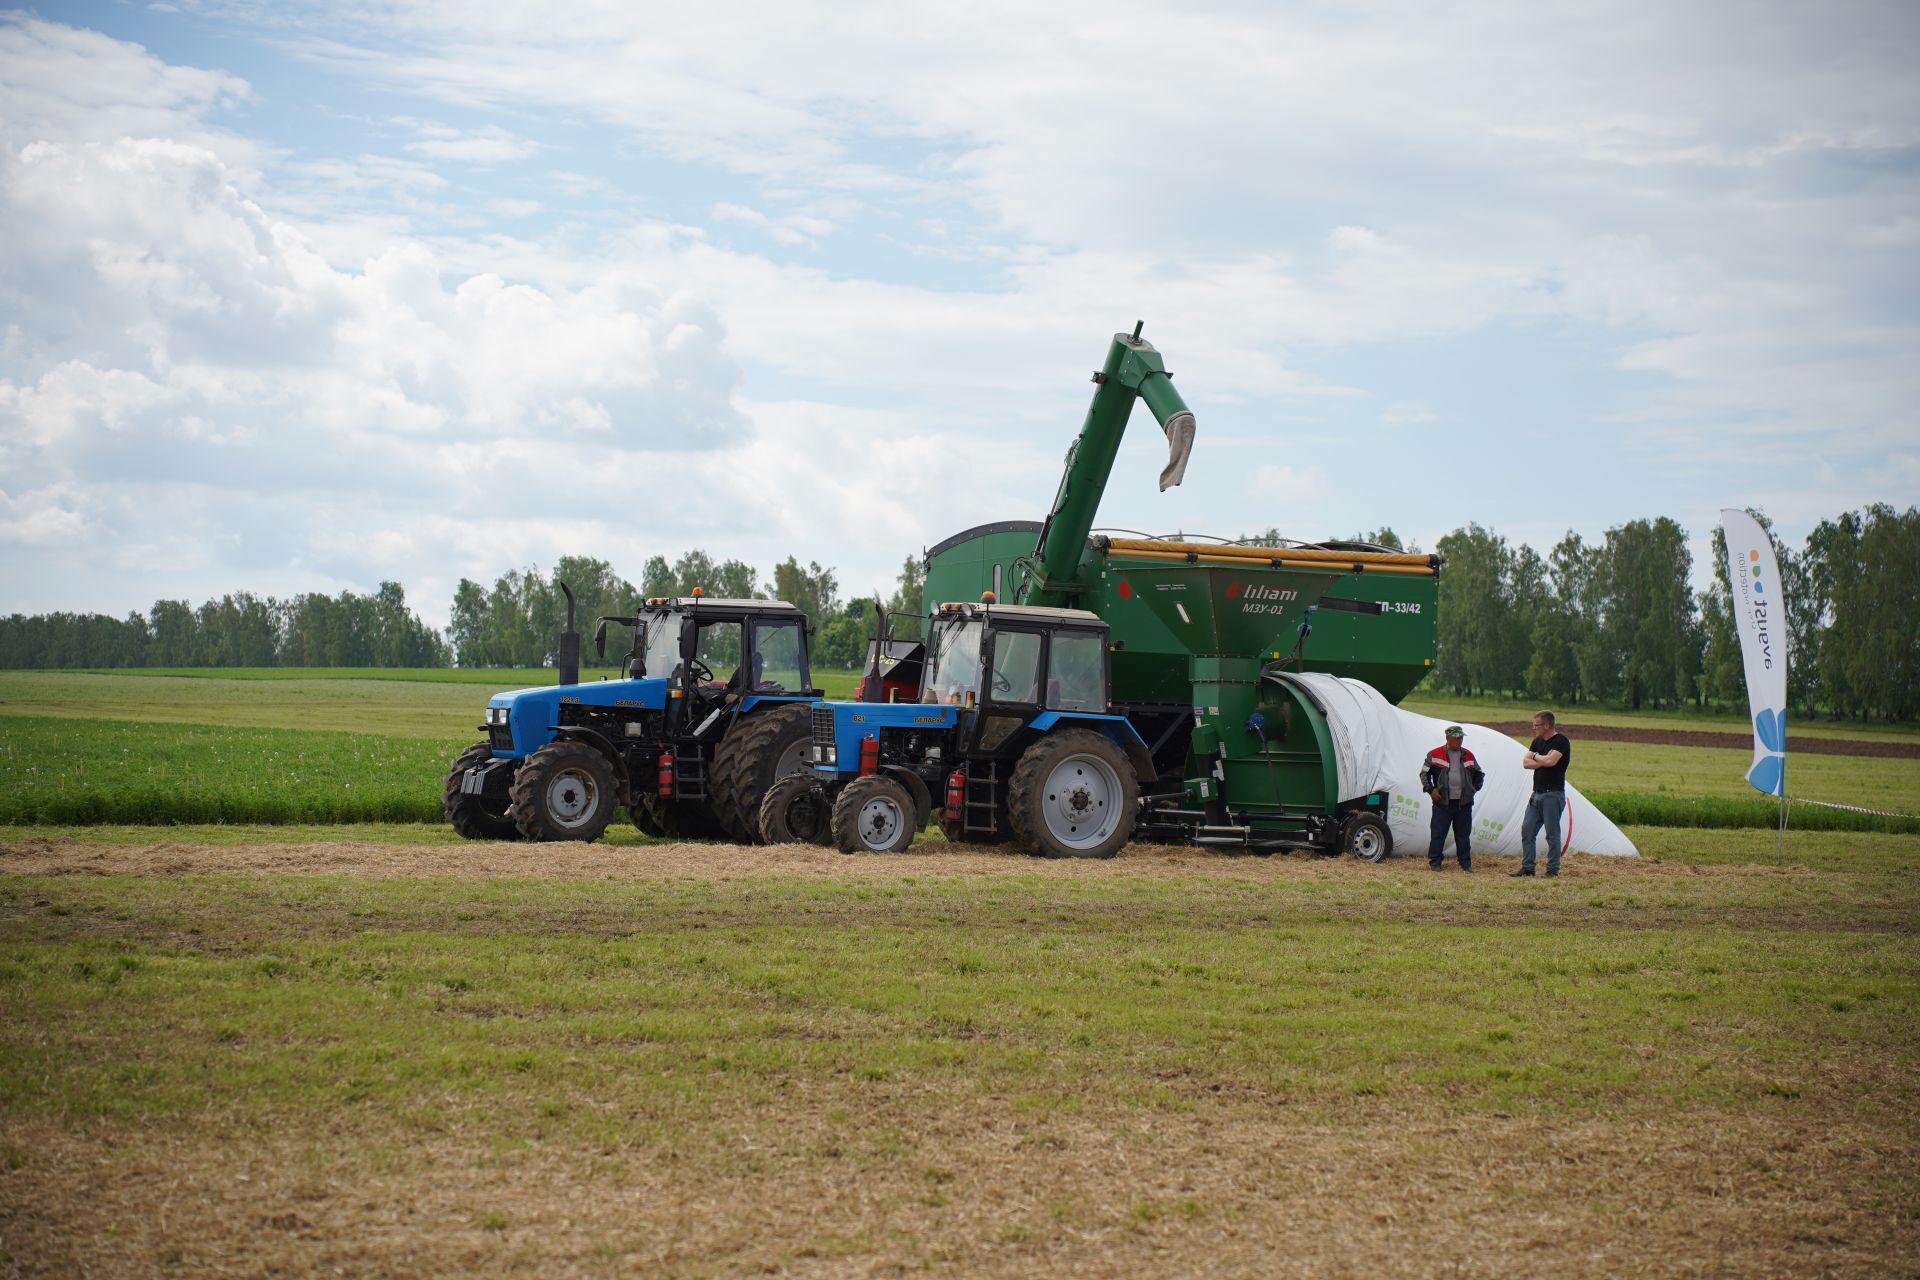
689 641
600 639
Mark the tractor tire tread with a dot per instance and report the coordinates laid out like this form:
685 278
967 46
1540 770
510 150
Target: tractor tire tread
744 761
466 814
532 780
846 814
777 804
1024 804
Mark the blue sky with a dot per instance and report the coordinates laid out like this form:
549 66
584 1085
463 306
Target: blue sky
303 297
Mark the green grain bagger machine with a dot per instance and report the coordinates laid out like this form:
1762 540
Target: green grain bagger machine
1206 635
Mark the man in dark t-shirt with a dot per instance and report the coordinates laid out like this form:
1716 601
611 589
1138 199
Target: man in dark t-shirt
1547 755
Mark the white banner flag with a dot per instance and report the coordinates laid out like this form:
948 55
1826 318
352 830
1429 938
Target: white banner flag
1760 614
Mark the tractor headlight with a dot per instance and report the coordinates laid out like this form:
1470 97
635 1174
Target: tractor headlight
826 755
496 715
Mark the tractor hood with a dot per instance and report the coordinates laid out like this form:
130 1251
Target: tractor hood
532 712
838 727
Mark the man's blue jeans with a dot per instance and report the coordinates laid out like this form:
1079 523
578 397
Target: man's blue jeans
1543 810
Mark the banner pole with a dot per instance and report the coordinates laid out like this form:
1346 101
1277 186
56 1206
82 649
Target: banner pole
1780 842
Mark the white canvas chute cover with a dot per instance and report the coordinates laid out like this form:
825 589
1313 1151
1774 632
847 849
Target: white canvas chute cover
1380 747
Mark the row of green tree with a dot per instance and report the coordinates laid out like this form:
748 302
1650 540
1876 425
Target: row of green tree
517 622
1614 620
1617 620
243 630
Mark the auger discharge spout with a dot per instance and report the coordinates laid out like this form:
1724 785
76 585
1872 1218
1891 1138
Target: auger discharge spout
1133 371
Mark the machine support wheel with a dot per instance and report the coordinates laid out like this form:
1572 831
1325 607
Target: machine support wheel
476 817
565 791
1366 837
1073 796
796 810
874 815
763 748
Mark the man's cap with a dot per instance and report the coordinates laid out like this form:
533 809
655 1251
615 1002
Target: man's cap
1455 731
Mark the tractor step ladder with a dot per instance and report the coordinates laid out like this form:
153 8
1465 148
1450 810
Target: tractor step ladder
689 774
983 802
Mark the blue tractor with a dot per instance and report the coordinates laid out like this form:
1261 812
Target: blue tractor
710 709
1007 737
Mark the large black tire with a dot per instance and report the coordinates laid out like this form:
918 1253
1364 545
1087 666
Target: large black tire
764 747
475 817
1367 837
1073 796
796 810
564 791
874 815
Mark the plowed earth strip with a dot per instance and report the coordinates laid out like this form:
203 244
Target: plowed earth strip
1523 730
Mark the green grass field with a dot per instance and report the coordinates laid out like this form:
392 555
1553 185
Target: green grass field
685 1061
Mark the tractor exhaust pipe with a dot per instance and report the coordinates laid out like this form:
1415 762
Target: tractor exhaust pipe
569 643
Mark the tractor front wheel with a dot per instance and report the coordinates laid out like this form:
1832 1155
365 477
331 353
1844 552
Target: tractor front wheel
1073 796
796 811
564 791
874 815
475 817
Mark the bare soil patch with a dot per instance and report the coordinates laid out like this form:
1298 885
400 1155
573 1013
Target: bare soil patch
65 856
1523 730
1228 1189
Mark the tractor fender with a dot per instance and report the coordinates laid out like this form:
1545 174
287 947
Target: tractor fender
916 787
1118 729
598 741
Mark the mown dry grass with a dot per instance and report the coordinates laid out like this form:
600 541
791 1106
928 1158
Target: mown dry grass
302 1057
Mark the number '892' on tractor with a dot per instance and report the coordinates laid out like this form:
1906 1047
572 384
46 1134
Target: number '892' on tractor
1011 739
711 708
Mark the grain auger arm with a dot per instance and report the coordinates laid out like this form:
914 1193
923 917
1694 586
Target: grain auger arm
1133 371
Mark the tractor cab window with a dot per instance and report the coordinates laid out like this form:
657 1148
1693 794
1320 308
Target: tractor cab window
1076 672
660 646
1016 667
777 653
953 664
719 650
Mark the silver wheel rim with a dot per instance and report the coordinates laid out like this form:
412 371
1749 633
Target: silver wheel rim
571 798
1366 843
1081 802
880 822
795 759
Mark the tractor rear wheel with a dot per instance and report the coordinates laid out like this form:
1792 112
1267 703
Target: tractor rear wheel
1073 796
796 811
475 817
565 791
874 815
1366 837
763 748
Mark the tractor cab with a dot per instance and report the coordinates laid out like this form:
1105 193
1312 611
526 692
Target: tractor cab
710 654
1009 663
